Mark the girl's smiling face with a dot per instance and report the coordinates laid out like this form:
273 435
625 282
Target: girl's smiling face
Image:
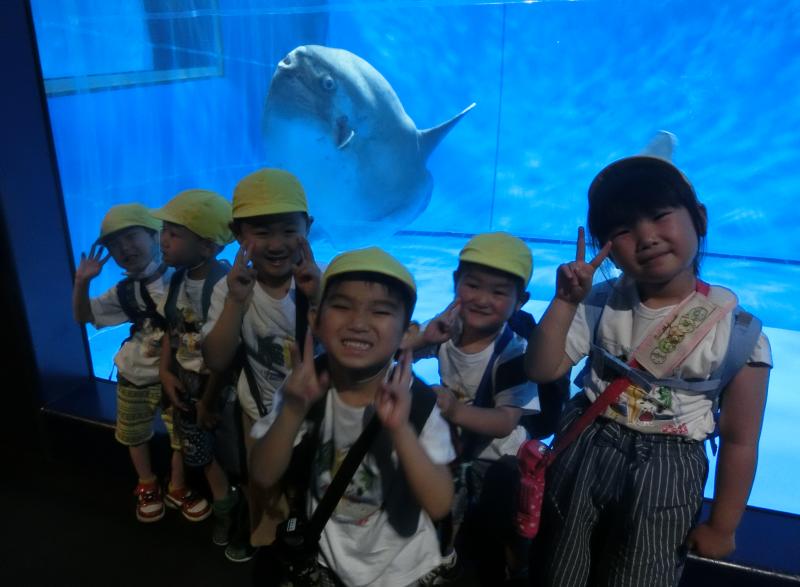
656 247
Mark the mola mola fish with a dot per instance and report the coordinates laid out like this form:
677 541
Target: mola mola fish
335 122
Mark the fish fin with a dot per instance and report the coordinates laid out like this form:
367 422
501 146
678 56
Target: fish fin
344 133
662 145
430 138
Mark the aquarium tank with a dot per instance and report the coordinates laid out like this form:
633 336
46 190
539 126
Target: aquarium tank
417 124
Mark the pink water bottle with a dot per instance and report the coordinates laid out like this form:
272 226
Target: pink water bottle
532 466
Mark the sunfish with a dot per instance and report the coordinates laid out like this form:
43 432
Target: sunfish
335 122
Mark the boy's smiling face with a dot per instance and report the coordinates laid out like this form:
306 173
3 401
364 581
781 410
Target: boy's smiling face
361 324
274 243
133 248
488 299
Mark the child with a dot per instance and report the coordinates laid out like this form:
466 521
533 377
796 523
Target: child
195 231
130 234
381 532
484 393
260 306
622 498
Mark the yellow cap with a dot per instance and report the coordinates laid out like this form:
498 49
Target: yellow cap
371 259
500 250
125 216
268 191
205 213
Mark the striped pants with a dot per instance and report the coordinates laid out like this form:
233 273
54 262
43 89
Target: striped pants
618 507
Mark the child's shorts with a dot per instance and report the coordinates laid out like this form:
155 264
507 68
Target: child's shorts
136 411
197 442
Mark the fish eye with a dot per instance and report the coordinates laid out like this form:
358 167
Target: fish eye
328 83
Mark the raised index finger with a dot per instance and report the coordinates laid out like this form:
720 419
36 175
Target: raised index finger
305 248
601 255
580 251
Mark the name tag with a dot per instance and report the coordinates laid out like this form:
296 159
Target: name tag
675 337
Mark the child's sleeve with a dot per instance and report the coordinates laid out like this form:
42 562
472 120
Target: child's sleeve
218 295
579 336
106 309
762 353
263 424
435 439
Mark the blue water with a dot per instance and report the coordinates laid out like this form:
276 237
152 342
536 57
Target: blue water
562 88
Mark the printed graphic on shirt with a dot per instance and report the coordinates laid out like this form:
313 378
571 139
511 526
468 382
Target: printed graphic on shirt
188 333
638 407
150 335
274 353
364 494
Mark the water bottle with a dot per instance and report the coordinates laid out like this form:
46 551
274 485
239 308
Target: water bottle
532 467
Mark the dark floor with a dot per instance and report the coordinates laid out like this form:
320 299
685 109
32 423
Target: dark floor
70 520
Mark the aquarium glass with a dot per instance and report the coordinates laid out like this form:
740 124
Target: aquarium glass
150 97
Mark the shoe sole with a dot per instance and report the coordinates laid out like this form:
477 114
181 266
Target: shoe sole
191 518
149 519
239 560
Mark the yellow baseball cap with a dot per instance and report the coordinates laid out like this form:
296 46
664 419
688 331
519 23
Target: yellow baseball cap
500 250
124 216
371 259
268 191
205 213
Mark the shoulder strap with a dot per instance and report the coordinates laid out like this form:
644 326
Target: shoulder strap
126 294
342 478
219 269
745 331
483 395
301 318
170 304
423 398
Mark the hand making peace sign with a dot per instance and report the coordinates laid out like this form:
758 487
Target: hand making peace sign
574 280
306 272
393 400
242 276
443 326
304 386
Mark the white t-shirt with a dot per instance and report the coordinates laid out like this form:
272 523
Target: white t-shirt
268 333
138 358
623 325
378 535
462 373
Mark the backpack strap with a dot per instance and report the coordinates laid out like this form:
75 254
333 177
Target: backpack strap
171 303
219 269
126 294
745 332
483 395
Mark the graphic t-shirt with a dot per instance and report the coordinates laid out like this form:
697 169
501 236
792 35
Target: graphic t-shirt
268 335
622 326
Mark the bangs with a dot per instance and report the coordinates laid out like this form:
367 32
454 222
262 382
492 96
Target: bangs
630 201
634 188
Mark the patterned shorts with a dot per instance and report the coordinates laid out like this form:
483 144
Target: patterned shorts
197 442
136 411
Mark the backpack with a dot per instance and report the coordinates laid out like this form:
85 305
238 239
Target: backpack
744 335
126 293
